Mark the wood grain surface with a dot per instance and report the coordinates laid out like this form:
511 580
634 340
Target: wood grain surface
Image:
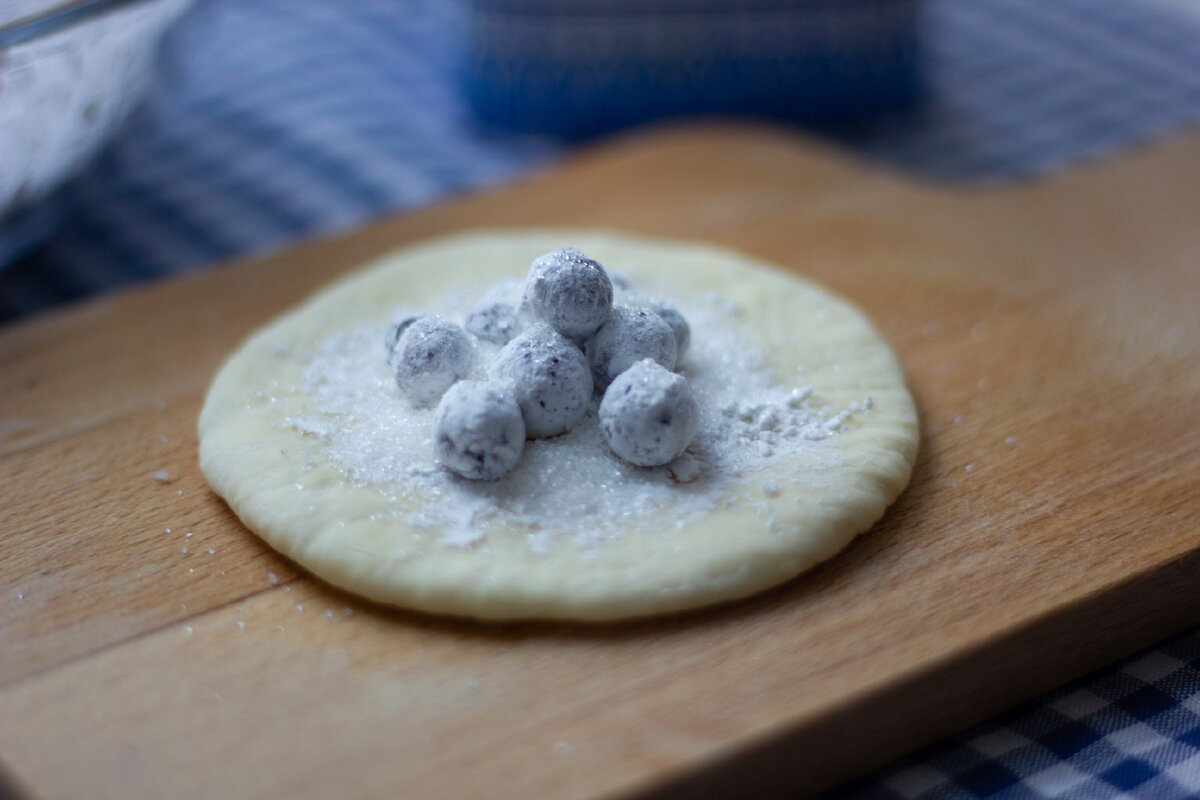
150 646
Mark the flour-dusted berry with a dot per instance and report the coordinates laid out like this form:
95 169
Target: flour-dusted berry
493 321
648 415
569 291
395 331
478 431
679 325
430 355
629 335
548 376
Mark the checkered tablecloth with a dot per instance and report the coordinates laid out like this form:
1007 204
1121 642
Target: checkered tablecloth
296 118
1129 731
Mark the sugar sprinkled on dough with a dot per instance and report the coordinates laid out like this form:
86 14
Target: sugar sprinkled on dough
570 485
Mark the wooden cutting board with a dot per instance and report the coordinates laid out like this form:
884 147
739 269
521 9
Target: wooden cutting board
152 647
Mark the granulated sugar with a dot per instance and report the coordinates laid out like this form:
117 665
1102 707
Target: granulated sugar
569 485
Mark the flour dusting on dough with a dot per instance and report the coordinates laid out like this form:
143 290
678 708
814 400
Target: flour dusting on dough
571 484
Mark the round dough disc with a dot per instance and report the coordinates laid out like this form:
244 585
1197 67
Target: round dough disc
794 495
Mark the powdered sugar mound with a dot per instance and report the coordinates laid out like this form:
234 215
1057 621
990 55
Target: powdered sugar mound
570 487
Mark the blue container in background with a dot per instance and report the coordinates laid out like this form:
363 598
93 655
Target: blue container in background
590 66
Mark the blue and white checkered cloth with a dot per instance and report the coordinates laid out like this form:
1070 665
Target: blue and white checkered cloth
1129 731
290 119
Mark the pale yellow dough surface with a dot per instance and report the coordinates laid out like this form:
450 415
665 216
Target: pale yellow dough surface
288 490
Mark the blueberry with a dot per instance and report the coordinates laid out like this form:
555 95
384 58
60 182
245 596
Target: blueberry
648 415
569 291
394 332
548 376
493 321
679 325
629 335
478 431
429 356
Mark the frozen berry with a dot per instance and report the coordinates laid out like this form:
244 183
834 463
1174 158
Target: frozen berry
548 376
648 415
569 291
493 321
679 325
395 330
629 335
429 356
478 431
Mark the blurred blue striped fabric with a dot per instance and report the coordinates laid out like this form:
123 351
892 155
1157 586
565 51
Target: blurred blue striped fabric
295 119
1023 87
290 119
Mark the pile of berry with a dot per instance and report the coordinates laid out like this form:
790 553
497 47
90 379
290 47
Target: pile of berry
563 342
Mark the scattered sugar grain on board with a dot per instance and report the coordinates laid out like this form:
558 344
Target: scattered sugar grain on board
161 475
571 485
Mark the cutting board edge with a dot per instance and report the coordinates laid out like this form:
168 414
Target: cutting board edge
834 742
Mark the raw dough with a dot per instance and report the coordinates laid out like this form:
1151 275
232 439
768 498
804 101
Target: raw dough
734 523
